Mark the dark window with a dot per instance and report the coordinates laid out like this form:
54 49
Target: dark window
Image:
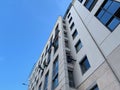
95 87
56 44
64 27
75 33
72 25
46 82
70 20
40 87
64 21
71 78
69 15
49 57
80 1
109 14
65 34
66 44
89 4
78 46
84 64
55 74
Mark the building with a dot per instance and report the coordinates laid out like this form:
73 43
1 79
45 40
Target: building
83 50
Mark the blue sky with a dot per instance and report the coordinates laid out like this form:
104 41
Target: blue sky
25 26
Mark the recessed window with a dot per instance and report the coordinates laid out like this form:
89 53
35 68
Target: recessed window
71 78
84 64
78 46
72 25
46 81
70 20
64 27
56 45
55 74
68 15
109 14
80 1
89 4
75 33
95 87
40 87
65 34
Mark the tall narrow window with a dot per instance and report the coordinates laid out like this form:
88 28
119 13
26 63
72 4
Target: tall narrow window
72 25
78 46
68 15
84 64
40 86
46 81
70 20
56 44
75 33
71 78
89 4
55 74
109 14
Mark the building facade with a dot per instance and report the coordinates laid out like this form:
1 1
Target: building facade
83 50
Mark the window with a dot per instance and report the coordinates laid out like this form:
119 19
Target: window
64 27
46 81
109 14
75 33
55 74
84 64
68 15
80 1
49 57
65 34
72 25
78 46
95 87
89 4
71 78
40 87
70 20
56 44
66 44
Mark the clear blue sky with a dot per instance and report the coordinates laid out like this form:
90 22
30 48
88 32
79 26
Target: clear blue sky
25 26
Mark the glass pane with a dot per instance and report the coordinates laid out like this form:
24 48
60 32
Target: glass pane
89 3
105 18
114 7
87 65
114 23
107 4
101 14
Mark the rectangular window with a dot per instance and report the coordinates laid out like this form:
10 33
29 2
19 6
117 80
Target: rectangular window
68 15
64 27
109 14
65 34
40 86
46 81
89 4
75 33
70 20
78 46
72 25
66 44
84 64
55 74
95 87
71 78
56 44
